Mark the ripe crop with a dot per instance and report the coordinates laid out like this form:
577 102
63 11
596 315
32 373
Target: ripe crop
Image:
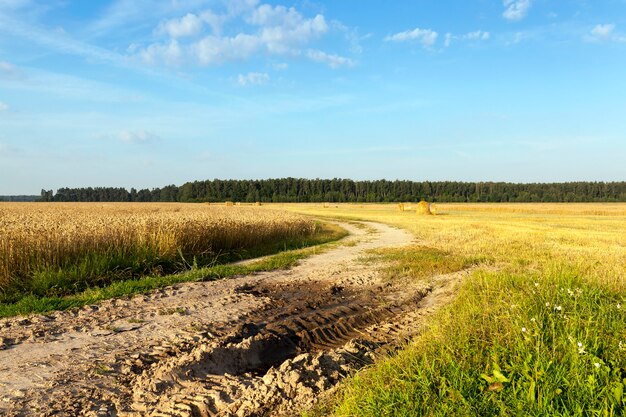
45 245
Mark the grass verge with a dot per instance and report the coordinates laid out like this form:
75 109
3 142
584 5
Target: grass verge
512 343
290 252
418 262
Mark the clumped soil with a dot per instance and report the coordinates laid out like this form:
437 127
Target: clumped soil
265 344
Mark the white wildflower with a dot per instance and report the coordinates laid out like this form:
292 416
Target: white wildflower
523 329
597 364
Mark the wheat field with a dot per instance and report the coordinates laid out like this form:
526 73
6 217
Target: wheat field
91 239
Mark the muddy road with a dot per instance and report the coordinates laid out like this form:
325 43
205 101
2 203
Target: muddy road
264 344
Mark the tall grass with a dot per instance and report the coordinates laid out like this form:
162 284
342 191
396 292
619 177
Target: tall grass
59 248
549 345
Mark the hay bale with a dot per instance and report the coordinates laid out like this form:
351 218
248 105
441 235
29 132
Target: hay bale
401 206
258 203
228 204
423 208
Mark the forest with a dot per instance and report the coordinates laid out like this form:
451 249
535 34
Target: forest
286 190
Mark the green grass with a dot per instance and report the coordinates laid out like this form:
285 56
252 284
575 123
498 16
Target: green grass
511 344
66 293
418 262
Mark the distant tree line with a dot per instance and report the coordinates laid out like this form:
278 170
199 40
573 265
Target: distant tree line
19 198
344 190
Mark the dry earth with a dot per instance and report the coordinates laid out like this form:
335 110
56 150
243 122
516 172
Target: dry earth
264 344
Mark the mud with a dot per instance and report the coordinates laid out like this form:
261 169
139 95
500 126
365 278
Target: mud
265 344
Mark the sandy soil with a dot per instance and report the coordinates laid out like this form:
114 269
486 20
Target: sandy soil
264 344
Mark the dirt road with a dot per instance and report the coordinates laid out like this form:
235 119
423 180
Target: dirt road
265 344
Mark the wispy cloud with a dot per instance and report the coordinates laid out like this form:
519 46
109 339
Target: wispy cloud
332 60
10 150
136 136
280 66
10 71
127 14
426 37
475 36
59 41
3 106
516 9
604 33
70 87
128 136
253 78
14 4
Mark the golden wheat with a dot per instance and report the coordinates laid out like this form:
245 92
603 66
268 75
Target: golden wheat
36 236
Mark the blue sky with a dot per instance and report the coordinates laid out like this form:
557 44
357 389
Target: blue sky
146 93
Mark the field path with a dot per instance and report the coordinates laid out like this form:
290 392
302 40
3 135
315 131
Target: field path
251 345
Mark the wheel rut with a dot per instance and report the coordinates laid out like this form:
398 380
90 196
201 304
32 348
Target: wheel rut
266 344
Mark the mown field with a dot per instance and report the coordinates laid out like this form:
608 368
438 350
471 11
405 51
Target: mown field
52 251
538 330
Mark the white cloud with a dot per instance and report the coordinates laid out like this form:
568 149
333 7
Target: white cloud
188 25
3 106
268 15
171 53
603 31
478 35
516 9
136 136
274 30
216 50
426 37
475 36
253 78
283 37
332 60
